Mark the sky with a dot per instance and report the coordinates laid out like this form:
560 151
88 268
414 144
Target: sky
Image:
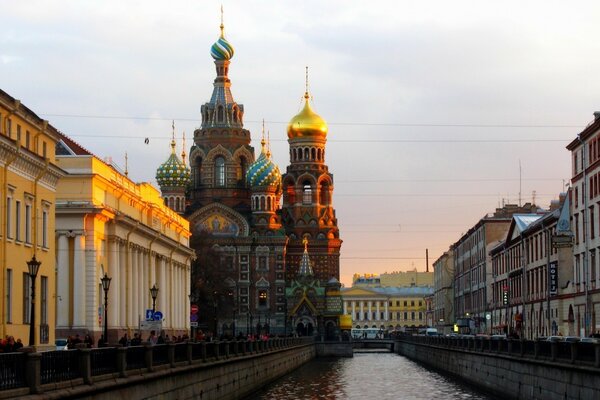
438 112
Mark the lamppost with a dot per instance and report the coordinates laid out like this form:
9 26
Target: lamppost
34 266
154 294
105 286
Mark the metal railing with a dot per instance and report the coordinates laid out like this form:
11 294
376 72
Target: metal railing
578 353
33 370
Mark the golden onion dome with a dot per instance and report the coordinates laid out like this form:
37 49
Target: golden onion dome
307 123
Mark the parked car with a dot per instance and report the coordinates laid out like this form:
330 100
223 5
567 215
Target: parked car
61 344
498 337
572 339
431 332
590 340
554 338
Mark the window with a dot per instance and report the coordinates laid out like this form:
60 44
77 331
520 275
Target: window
28 223
220 171
306 194
27 139
262 298
26 298
45 229
9 128
412 303
220 114
44 300
405 315
9 283
9 217
17 220
18 133
412 316
262 262
44 149
405 303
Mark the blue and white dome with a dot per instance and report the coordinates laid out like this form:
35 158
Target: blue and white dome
263 171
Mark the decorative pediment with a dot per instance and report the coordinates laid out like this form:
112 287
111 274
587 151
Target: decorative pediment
219 220
359 292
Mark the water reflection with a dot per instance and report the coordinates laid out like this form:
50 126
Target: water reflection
366 376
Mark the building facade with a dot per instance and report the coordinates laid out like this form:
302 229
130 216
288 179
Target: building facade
585 208
443 296
29 177
473 269
387 308
531 289
394 279
107 224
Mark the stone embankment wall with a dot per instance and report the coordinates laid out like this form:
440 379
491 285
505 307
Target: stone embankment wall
508 376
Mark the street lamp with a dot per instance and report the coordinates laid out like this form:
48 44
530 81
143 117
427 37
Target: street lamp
154 294
34 266
105 286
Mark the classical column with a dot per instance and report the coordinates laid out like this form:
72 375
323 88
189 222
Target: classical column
122 285
345 310
354 310
362 310
79 284
377 315
370 307
386 311
130 289
170 290
62 282
135 286
114 291
142 293
162 283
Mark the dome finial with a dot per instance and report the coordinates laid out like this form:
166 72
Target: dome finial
306 96
222 26
268 144
262 137
183 153
173 137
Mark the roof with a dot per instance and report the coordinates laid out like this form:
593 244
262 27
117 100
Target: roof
522 221
396 291
70 147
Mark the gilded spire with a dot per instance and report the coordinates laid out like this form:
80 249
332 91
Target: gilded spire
262 138
222 26
305 243
268 144
305 267
173 137
306 96
183 154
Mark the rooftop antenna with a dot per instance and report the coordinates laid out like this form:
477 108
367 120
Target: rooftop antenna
533 193
520 182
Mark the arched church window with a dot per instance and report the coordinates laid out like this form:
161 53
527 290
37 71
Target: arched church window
220 116
177 204
243 168
306 193
306 153
262 203
235 114
197 171
219 171
299 154
324 194
313 154
269 203
290 194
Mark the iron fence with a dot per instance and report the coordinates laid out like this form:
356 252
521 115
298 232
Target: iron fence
58 366
103 361
12 370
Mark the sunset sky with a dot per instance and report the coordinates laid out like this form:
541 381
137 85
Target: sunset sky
432 105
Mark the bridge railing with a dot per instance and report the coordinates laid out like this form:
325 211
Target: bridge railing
29 372
578 353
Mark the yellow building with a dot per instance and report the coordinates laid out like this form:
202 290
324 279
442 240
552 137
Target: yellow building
394 279
29 178
391 308
107 224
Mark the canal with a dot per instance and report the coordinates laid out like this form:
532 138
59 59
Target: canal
366 376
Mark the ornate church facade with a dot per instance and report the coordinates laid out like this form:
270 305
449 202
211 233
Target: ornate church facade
249 245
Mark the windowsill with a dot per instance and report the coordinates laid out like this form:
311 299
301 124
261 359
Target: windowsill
28 244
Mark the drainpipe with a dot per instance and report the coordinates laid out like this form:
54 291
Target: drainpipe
9 161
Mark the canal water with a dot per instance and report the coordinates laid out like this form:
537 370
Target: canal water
378 376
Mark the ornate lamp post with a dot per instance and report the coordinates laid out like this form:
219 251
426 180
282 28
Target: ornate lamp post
105 286
34 266
154 294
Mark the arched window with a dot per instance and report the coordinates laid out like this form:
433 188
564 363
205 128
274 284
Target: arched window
313 154
177 204
324 194
219 171
262 298
306 193
262 203
220 116
299 154
243 168
290 194
306 153
198 171
235 114
269 203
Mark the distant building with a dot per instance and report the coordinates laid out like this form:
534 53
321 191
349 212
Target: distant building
443 300
394 279
531 291
585 208
107 224
391 308
29 177
472 265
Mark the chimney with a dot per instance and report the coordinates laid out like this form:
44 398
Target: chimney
596 115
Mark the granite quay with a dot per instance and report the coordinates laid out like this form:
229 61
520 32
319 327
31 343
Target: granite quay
512 369
202 370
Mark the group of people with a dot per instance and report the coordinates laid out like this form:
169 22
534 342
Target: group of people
9 345
73 341
153 339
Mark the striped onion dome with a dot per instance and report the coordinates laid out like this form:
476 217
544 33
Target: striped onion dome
263 171
173 172
222 49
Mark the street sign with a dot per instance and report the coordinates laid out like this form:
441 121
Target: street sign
149 313
158 316
194 309
151 326
193 324
194 317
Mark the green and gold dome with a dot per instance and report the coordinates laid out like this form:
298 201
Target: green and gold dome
222 50
263 172
307 123
173 172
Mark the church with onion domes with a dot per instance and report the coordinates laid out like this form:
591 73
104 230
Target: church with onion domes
255 230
